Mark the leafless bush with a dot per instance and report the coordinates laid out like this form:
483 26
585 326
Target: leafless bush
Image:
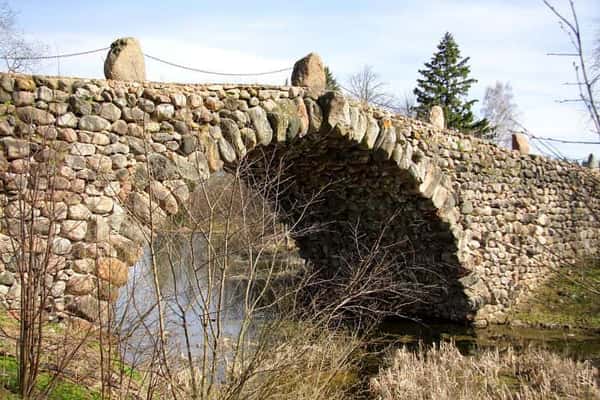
212 334
30 221
373 281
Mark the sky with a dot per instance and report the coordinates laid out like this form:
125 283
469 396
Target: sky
506 40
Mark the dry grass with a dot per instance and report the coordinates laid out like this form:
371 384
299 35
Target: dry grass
70 351
289 361
444 373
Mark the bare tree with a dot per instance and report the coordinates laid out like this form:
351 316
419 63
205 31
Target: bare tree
367 86
15 49
223 279
596 54
501 111
407 105
586 78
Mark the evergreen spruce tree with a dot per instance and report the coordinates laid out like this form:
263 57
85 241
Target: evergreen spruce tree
330 80
446 83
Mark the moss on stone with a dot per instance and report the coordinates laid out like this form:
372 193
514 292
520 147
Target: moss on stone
568 299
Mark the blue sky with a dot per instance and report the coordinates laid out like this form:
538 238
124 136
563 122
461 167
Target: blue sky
506 40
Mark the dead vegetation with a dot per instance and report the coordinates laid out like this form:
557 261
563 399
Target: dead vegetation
442 372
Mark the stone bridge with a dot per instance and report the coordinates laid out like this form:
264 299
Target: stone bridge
106 155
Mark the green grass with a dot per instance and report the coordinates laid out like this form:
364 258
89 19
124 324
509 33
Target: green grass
127 371
63 390
569 298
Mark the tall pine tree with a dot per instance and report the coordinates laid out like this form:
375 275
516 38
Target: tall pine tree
330 82
446 83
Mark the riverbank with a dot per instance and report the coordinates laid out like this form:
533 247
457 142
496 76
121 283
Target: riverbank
72 356
312 356
343 365
569 299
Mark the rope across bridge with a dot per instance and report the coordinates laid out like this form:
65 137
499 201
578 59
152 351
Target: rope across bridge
151 57
160 60
67 55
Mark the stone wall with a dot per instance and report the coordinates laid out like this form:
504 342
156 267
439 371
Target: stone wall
93 163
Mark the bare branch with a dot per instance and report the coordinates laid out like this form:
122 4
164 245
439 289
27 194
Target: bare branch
16 51
585 83
367 87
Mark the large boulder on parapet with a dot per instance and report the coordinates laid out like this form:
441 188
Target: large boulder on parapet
310 72
125 61
592 162
436 117
520 143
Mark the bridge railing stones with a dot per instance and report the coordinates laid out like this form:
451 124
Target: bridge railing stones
125 61
436 117
310 72
520 143
125 153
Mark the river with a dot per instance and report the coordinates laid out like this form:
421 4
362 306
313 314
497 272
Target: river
186 294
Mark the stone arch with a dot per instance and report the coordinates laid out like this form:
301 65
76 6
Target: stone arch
372 173
375 179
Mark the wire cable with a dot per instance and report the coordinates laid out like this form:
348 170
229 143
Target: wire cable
160 60
558 140
551 150
81 53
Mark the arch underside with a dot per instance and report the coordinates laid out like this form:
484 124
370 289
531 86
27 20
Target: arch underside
354 206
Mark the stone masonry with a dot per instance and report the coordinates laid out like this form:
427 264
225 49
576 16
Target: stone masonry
90 164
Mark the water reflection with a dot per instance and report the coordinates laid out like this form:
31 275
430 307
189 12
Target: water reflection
579 345
203 306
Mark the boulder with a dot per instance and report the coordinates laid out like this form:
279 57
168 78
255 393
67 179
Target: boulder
125 61
520 143
336 112
161 168
112 270
90 308
315 115
80 284
436 117
99 205
264 133
94 123
16 148
231 132
310 72
592 162
146 210
32 115
74 229
110 112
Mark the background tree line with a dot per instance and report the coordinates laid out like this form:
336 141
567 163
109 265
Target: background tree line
446 80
